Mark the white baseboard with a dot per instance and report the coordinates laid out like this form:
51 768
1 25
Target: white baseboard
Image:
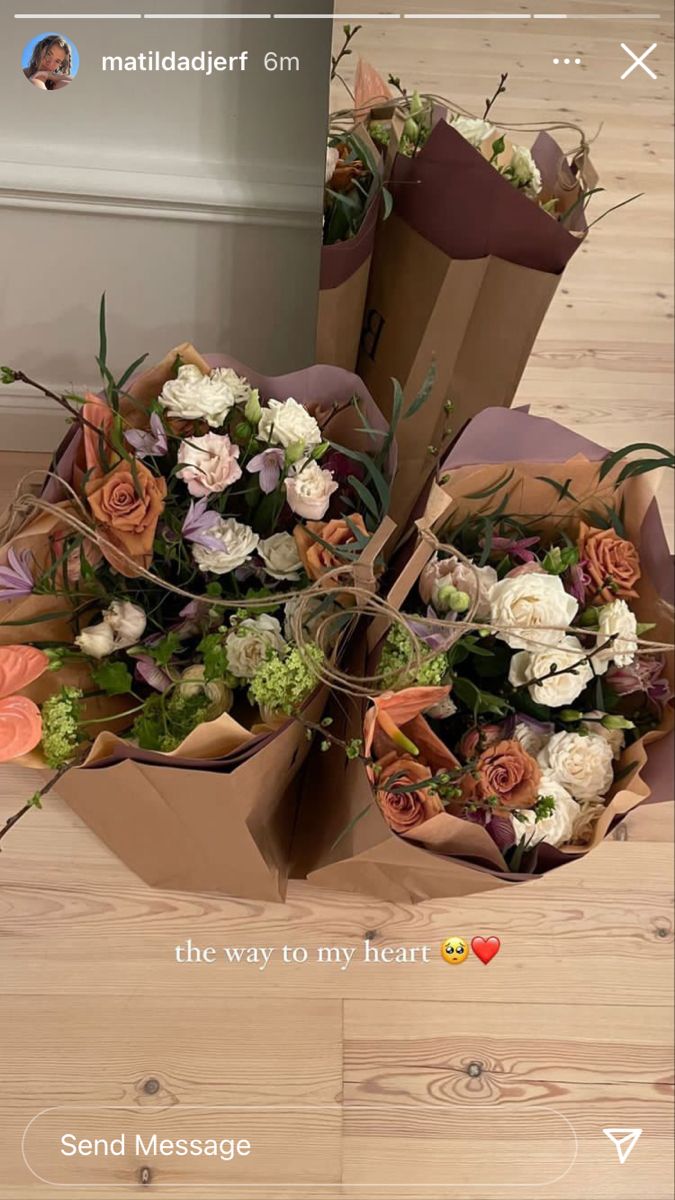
29 422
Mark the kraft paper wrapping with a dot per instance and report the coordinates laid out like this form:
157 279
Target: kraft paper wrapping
372 859
463 274
216 813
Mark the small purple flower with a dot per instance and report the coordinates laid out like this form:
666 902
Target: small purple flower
150 673
147 442
16 579
643 675
437 637
517 549
577 581
198 520
269 464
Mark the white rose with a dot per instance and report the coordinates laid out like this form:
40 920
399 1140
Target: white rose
280 556
193 396
308 491
615 737
332 159
526 173
96 640
530 739
616 620
556 689
287 423
127 621
531 601
192 683
557 829
582 764
238 543
472 129
315 611
247 646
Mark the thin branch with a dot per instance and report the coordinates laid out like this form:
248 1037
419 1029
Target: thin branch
35 801
350 34
500 90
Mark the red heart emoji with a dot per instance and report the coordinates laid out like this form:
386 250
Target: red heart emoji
485 948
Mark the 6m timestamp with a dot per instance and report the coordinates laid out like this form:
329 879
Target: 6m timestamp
281 62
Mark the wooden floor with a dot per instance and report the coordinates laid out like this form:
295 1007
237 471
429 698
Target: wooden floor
451 1078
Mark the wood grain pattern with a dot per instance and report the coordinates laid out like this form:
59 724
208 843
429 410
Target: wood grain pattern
440 1070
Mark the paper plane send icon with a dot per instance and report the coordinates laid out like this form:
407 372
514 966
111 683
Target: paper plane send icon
625 1141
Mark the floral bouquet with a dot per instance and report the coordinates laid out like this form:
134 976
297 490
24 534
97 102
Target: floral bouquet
514 697
160 596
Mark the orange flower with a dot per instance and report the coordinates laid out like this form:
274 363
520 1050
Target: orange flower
20 720
612 563
317 559
127 507
404 810
505 771
395 723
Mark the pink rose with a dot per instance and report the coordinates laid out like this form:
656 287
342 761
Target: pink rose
210 463
309 491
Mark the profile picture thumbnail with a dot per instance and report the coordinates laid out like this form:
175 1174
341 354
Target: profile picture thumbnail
50 61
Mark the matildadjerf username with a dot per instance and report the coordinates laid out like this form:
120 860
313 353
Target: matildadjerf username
205 62
153 1146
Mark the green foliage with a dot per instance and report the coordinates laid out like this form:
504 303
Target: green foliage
114 678
398 668
61 715
283 683
165 722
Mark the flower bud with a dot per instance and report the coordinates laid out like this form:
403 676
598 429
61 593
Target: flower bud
96 641
253 408
242 431
616 722
569 715
127 622
444 597
294 453
460 602
410 129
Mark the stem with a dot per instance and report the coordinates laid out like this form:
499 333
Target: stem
74 412
350 34
11 821
501 88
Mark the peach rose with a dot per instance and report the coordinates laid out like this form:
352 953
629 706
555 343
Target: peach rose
317 559
507 771
479 738
612 563
404 810
127 517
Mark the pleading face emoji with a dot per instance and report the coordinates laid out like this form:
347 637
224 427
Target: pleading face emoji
454 950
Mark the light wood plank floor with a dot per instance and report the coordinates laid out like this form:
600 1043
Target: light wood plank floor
575 1013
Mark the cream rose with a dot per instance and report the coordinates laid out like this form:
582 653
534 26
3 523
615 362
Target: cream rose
472 129
582 764
531 602
210 463
551 689
287 423
193 396
332 159
247 646
526 173
557 829
280 556
238 543
192 683
308 491
616 621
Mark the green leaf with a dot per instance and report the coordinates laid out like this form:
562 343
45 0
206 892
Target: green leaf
365 496
563 489
378 479
613 459
129 371
495 487
643 465
424 392
164 651
388 203
35 800
348 828
477 700
102 335
114 678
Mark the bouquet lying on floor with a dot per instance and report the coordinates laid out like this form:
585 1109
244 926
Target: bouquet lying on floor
152 595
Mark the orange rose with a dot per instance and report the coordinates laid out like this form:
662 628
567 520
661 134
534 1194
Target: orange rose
612 563
128 517
507 772
317 559
404 810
